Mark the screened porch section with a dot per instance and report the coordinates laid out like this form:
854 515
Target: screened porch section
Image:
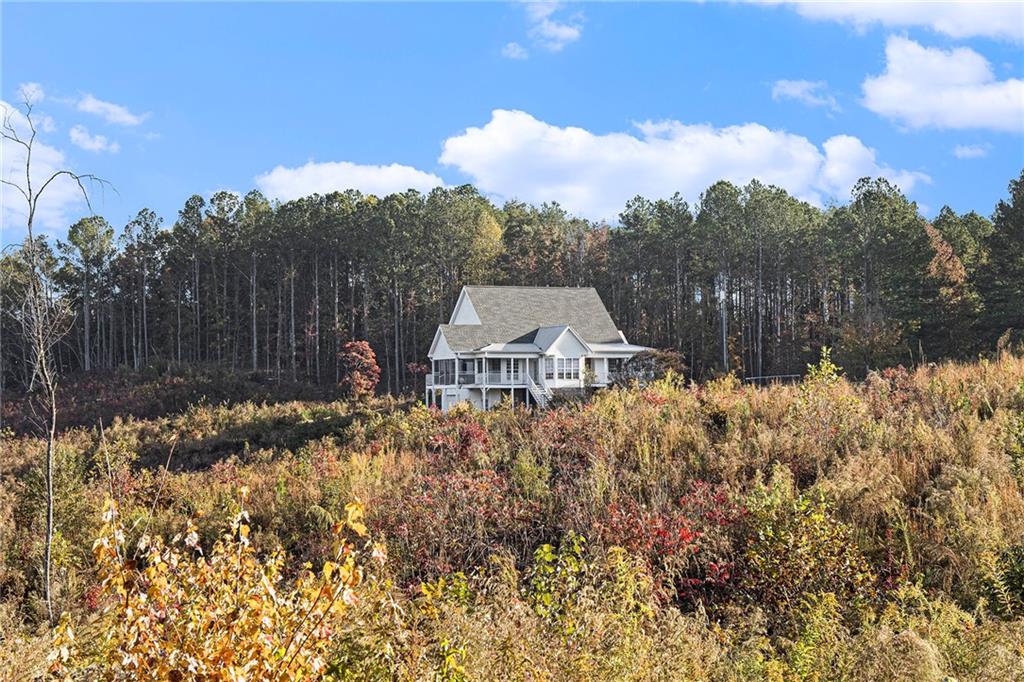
484 372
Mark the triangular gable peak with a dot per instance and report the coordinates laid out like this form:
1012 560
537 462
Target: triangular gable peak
464 312
560 337
569 344
439 347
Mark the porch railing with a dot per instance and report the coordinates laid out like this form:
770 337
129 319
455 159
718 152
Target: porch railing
479 379
503 378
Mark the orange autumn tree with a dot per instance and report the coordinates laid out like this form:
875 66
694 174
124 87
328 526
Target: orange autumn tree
956 303
178 613
360 372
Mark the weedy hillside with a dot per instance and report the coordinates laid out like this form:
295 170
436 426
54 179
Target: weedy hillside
827 530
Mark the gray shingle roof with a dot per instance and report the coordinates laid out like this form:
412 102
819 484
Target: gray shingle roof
514 314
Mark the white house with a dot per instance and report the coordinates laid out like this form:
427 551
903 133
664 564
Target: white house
523 344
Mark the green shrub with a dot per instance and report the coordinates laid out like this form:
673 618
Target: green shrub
798 549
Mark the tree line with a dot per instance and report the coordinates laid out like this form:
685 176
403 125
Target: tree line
748 279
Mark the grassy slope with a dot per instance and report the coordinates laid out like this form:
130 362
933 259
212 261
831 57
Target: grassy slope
826 530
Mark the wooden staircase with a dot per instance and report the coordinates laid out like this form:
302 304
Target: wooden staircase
541 394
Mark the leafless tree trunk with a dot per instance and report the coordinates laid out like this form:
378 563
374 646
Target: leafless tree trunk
86 318
316 312
291 315
723 314
177 312
44 321
145 321
252 302
337 321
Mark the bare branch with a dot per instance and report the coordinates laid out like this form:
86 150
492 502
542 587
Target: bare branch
28 116
78 179
15 186
9 131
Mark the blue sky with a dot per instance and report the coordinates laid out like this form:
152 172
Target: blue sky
586 104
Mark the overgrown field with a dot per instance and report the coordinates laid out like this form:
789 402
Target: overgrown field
821 531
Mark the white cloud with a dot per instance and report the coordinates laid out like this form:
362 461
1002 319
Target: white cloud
847 160
46 123
549 32
971 151
80 137
811 93
517 155
1001 20
514 51
292 183
31 92
110 112
928 87
60 198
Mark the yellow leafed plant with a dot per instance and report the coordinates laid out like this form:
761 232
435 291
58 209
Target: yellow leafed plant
176 613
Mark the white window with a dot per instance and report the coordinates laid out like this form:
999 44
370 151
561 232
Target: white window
568 368
549 368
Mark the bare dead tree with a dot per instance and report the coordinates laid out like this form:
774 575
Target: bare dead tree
45 318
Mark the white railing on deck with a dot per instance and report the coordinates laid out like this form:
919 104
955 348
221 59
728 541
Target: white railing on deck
501 378
540 393
478 379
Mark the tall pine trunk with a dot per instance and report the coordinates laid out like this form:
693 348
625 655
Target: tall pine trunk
291 313
252 311
145 321
86 319
316 313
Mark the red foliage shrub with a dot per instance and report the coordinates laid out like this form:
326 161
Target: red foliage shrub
893 568
655 535
417 368
690 547
567 433
459 437
455 520
92 596
891 390
360 372
655 399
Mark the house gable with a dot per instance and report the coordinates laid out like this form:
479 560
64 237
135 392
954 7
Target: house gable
544 337
568 345
439 348
464 312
